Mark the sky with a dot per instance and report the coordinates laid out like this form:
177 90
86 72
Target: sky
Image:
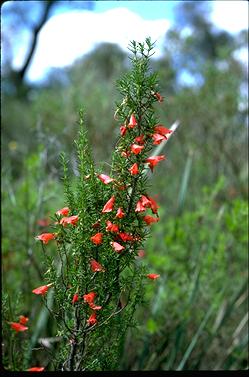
67 36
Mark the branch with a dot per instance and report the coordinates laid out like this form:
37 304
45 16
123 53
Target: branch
36 30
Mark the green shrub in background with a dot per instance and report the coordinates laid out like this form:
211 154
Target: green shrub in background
198 317
27 205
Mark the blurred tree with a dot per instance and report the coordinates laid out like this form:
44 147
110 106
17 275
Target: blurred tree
209 99
203 40
26 19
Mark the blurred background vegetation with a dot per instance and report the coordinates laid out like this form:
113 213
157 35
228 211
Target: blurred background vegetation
197 312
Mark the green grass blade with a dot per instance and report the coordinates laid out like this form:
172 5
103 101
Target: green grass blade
184 183
195 339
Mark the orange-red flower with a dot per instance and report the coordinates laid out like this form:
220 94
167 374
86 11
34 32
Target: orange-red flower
42 290
125 154
134 169
150 219
105 178
123 130
89 297
120 214
117 247
139 139
63 212
158 138
145 201
95 307
153 161
140 207
110 227
92 319
160 129
36 369
95 266
69 220
75 298
153 276
132 122
45 237
136 149
126 236
158 97
108 207
97 238
18 326
23 320
153 205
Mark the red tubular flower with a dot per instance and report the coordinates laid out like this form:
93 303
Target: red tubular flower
36 369
150 219
140 207
117 247
158 138
45 237
108 207
158 96
42 290
140 139
123 130
132 122
120 214
95 307
89 297
153 276
23 320
75 298
136 149
145 201
160 129
105 178
125 154
126 236
18 326
92 319
95 266
97 238
111 227
153 205
63 212
69 220
153 161
134 169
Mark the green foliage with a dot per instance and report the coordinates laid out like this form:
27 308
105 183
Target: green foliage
195 305
26 209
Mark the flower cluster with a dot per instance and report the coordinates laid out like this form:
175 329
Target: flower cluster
100 232
20 327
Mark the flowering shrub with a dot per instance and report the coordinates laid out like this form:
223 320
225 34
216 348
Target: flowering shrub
96 278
